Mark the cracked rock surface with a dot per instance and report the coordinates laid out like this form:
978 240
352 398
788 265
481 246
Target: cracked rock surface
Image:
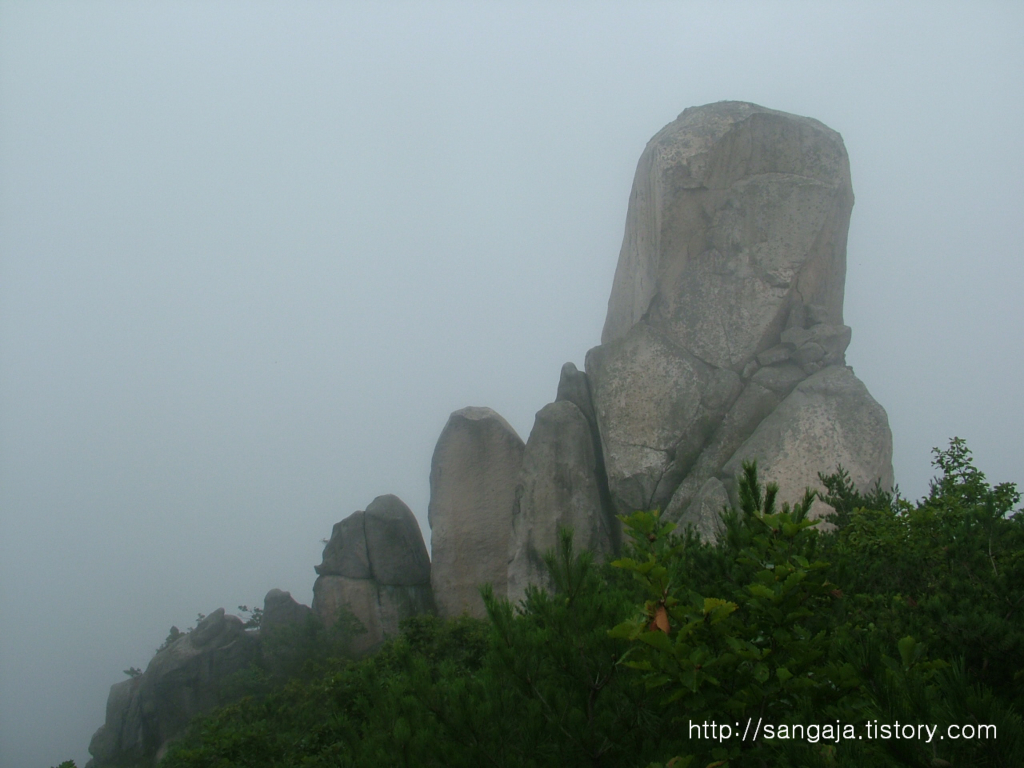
727 295
375 566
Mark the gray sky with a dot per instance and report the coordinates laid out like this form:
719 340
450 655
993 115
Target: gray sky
253 254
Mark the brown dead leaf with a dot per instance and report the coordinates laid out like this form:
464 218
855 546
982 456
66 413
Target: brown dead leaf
660 620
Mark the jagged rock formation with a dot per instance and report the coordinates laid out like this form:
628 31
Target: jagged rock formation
473 478
728 294
724 342
281 610
829 417
375 566
561 484
183 680
737 213
656 405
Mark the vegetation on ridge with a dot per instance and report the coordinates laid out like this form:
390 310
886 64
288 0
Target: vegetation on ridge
908 613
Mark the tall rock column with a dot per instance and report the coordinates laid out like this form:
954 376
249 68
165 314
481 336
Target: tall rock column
473 477
562 485
727 295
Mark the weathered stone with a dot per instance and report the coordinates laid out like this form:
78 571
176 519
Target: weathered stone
704 513
473 478
750 408
333 595
796 336
834 339
780 353
558 487
182 681
738 215
808 353
797 315
107 743
375 567
396 552
574 386
818 314
379 608
656 406
812 368
281 610
828 419
779 378
345 553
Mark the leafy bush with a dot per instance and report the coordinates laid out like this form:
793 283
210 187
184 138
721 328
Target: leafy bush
907 612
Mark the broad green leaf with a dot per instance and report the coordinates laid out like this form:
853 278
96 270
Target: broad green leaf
760 590
906 646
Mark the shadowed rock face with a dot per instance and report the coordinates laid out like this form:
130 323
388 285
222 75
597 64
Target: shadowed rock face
375 566
281 610
473 478
183 680
558 487
656 406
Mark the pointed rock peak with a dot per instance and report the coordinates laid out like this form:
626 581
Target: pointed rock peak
483 414
727 294
574 386
376 569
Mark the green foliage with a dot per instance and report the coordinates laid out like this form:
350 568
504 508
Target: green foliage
173 635
133 672
949 570
752 646
904 612
556 653
255 616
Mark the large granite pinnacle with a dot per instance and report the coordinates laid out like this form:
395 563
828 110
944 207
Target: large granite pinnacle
729 293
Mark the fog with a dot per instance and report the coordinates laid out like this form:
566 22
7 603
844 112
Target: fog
253 254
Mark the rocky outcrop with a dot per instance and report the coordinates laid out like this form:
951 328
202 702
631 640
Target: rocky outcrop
724 342
728 294
375 566
738 213
656 406
117 735
829 419
558 487
185 679
281 610
473 477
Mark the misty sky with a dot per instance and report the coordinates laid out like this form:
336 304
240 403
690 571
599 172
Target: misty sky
253 254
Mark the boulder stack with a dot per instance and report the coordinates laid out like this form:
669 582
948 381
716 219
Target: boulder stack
724 342
375 566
